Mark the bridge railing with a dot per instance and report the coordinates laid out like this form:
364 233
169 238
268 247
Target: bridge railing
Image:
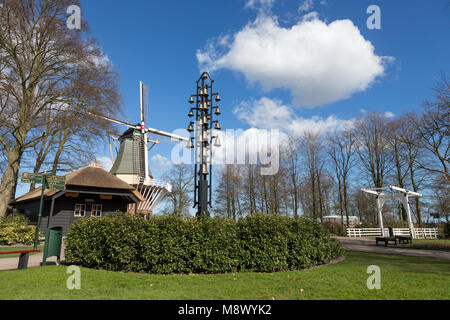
421 233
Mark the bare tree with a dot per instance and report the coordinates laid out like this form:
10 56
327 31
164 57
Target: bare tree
372 147
311 146
229 192
249 186
402 163
432 130
411 155
180 199
44 66
292 162
341 150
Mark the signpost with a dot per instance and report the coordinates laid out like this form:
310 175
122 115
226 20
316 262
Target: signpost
48 182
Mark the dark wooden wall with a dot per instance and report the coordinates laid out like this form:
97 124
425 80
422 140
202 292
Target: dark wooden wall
63 213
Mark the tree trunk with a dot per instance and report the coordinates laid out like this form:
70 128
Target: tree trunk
345 187
9 179
319 191
417 200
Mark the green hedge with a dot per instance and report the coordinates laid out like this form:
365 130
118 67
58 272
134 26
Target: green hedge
14 229
165 245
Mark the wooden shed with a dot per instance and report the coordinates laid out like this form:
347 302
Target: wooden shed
90 192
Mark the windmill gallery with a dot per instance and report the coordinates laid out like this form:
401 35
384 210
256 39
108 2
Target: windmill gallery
94 192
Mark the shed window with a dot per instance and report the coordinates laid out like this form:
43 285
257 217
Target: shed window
96 210
80 210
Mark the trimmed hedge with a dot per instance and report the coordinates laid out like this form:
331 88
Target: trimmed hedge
14 229
165 245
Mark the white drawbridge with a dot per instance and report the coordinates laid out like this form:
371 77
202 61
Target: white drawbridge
401 195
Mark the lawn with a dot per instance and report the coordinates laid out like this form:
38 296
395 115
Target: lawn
402 277
443 244
13 249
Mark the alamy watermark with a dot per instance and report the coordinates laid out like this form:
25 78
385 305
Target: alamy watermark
74 20
374 21
237 147
374 281
74 281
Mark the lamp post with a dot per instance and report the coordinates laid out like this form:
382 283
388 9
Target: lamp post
202 113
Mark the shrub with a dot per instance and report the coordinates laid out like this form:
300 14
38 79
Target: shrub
165 245
335 229
15 229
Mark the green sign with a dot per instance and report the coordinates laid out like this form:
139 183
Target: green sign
32 178
56 183
48 182
52 182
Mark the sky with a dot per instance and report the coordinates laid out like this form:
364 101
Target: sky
278 64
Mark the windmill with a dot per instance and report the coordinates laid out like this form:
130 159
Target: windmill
131 163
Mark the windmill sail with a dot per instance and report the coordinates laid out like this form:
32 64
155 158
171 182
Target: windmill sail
132 161
144 102
141 152
131 164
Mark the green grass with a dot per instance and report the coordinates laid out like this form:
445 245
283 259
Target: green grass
443 245
402 277
13 249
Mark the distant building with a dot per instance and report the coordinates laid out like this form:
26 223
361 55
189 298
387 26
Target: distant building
90 192
353 220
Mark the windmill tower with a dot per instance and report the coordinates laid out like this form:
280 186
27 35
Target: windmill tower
132 165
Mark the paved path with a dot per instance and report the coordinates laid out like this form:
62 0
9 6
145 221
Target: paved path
34 261
366 245
350 244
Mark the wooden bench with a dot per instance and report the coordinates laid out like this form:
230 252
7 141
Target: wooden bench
404 239
386 240
23 259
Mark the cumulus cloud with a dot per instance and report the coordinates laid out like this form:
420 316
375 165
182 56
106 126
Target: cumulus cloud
306 5
259 4
263 113
319 63
160 162
253 146
273 114
389 115
105 163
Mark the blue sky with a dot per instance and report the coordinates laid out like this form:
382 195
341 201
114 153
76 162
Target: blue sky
159 43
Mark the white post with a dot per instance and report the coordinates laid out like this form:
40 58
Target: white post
408 211
380 214
141 89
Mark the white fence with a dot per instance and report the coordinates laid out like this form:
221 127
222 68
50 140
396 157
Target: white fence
427 233
421 233
366 232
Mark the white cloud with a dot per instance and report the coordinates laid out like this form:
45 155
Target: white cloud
264 113
389 115
105 163
306 5
160 162
272 114
259 4
319 63
253 146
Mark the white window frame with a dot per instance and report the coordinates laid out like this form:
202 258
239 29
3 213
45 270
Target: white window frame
78 212
97 212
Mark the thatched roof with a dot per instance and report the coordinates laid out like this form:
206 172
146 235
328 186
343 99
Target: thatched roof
91 177
95 177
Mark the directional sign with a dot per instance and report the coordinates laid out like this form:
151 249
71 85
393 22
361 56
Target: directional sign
52 182
32 178
56 183
48 182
